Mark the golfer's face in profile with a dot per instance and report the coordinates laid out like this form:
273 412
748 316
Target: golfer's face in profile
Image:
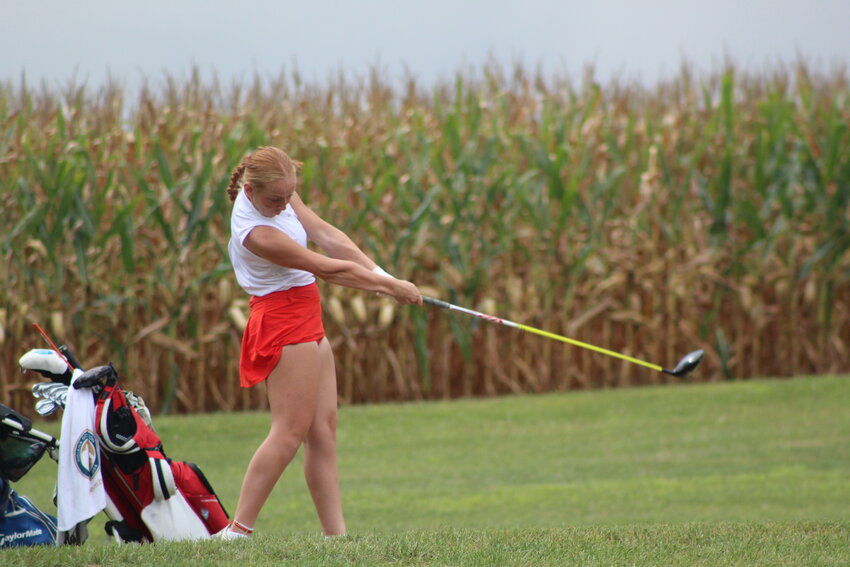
274 197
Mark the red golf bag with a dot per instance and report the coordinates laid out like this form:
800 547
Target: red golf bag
154 498
149 496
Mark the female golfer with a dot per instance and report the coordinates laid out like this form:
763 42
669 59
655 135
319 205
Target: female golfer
284 344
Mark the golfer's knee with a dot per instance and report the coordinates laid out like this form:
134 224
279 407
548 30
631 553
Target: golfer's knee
288 439
323 431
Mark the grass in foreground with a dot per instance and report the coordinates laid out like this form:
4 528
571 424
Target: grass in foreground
751 545
749 473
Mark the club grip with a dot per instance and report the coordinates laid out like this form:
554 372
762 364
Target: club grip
436 302
69 356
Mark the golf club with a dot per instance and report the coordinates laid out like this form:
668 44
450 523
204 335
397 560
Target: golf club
685 365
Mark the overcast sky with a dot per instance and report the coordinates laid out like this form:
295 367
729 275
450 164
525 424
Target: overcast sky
55 40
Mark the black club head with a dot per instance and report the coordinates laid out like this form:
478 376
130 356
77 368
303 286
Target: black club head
687 364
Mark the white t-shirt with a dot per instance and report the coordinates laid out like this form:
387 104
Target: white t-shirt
256 275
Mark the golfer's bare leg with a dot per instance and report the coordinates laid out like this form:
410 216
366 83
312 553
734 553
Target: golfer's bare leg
320 463
292 392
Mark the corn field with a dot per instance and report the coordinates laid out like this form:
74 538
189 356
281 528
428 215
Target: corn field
707 212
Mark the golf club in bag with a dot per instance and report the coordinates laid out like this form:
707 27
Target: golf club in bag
21 447
149 496
685 365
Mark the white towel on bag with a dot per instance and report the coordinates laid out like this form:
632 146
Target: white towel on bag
79 487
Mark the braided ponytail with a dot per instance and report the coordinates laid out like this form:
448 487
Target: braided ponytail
236 181
265 165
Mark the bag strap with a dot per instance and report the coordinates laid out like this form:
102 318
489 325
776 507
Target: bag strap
162 479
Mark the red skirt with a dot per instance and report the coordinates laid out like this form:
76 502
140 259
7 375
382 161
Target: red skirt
278 319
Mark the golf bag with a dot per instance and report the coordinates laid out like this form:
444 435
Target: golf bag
149 496
21 447
154 494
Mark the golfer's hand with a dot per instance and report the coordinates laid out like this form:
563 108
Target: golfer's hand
406 293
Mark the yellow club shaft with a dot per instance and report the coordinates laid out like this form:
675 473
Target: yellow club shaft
600 350
536 331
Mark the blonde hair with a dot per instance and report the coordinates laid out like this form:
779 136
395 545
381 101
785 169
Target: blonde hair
265 165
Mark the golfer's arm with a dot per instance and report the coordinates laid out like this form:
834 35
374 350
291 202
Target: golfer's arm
276 247
334 242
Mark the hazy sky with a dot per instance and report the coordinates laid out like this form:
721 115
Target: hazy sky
55 40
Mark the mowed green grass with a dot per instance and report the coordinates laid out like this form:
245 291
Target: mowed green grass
736 473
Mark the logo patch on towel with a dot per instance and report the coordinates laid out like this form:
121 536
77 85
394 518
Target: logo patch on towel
86 457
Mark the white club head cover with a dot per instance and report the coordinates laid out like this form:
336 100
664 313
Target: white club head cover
43 359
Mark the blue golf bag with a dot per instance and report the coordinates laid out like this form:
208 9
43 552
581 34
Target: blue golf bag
21 446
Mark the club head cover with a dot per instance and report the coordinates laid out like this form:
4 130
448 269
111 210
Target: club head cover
48 363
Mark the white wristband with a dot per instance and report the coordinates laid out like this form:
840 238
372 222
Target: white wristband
381 272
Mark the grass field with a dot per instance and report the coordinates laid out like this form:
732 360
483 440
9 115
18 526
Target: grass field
737 473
